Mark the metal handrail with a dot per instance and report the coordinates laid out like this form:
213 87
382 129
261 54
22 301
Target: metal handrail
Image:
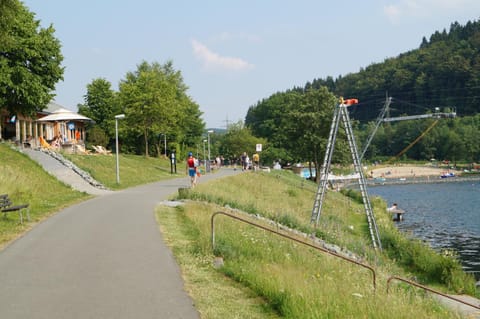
428 289
294 239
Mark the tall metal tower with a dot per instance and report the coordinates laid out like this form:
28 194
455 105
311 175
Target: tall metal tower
341 112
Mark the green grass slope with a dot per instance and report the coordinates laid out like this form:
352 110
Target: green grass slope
134 170
288 279
27 183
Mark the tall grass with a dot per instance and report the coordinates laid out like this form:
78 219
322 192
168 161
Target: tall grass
294 280
215 295
299 282
287 199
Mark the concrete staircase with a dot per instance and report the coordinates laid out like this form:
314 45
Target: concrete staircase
66 171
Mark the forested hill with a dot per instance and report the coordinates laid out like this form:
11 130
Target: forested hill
443 72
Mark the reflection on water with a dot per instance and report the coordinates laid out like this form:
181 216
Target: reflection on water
445 215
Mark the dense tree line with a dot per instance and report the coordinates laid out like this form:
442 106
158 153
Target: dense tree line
455 140
442 74
297 131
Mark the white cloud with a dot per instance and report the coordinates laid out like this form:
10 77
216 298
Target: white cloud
392 12
212 60
427 8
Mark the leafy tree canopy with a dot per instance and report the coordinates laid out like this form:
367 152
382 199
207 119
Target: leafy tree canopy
239 139
8 10
101 105
296 123
155 101
30 60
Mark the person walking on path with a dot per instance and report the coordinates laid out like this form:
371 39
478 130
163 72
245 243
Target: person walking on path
244 160
256 161
192 164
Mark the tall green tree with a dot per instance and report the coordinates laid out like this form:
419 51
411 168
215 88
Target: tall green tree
296 124
308 125
30 60
101 105
266 118
155 101
190 126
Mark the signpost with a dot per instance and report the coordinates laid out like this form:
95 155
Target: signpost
117 117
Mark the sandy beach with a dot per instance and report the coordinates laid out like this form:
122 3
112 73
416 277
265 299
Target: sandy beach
404 171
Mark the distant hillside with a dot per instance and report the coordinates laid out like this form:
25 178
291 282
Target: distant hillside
443 72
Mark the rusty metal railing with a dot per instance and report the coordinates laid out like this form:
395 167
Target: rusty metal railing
294 239
428 289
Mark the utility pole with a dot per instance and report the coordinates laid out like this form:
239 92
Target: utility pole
227 122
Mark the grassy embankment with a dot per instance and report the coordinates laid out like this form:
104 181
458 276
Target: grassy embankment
291 280
26 182
264 275
134 170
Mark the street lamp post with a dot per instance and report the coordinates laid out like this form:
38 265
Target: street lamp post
117 117
208 137
204 160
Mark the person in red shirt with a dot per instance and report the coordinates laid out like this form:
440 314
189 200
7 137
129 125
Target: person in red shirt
192 169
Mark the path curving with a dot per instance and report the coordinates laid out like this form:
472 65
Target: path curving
102 258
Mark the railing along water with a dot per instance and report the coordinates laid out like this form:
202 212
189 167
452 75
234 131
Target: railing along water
428 289
292 238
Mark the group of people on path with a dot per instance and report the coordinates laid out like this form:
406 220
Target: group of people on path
193 168
245 160
192 165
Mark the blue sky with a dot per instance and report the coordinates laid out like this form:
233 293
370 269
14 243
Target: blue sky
233 54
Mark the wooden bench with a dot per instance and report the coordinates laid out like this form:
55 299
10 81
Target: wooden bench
6 206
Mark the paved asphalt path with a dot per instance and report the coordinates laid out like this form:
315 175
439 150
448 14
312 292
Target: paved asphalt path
102 258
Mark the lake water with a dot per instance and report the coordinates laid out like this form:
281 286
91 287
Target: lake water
446 215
